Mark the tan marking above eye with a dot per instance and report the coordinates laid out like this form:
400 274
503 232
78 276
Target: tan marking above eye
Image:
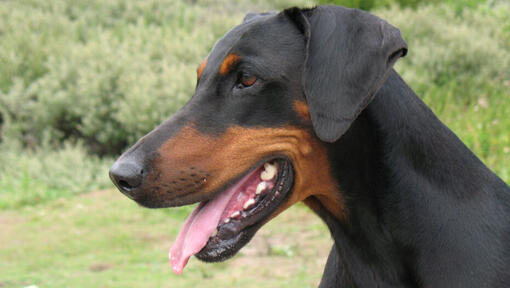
231 154
201 68
302 110
228 62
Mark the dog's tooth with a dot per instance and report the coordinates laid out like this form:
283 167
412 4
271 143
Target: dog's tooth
262 185
215 232
270 166
235 214
226 220
269 171
249 203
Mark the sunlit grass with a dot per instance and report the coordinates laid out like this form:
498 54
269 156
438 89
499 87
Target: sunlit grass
104 239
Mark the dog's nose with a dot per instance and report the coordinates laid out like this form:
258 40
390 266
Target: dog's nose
127 176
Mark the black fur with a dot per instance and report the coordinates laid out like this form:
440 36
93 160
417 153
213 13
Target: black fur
422 210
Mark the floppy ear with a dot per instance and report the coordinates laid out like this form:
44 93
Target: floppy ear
349 55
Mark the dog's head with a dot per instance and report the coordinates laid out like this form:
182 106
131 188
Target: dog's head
252 141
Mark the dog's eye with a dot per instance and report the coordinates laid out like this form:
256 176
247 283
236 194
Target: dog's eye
246 80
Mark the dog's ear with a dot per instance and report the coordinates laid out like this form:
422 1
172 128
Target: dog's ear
349 56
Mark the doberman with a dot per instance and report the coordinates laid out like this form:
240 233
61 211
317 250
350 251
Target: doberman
304 105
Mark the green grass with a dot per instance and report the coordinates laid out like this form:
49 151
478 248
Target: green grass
103 239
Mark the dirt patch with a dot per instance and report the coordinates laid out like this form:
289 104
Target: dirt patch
157 240
8 219
9 225
99 193
100 267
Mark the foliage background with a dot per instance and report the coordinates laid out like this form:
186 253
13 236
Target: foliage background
82 80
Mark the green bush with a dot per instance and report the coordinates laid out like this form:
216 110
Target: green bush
470 49
105 72
457 5
361 4
32 177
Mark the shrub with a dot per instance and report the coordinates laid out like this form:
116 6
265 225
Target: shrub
458 5
31 177
470 49
105 72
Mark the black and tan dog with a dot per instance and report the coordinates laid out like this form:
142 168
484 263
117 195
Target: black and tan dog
304 106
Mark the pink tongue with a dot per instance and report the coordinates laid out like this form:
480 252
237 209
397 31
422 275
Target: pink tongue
199 226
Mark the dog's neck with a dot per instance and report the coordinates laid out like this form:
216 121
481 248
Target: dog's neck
395 155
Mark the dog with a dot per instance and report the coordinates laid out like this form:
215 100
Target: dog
304 105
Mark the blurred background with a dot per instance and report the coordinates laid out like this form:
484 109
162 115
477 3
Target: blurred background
82 80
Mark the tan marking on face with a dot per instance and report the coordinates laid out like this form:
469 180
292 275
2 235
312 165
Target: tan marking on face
302 110
227 63
201 68
224 158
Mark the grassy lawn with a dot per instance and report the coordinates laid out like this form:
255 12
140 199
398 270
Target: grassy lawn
103 239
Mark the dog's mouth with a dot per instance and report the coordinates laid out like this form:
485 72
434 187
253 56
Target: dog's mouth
220 226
